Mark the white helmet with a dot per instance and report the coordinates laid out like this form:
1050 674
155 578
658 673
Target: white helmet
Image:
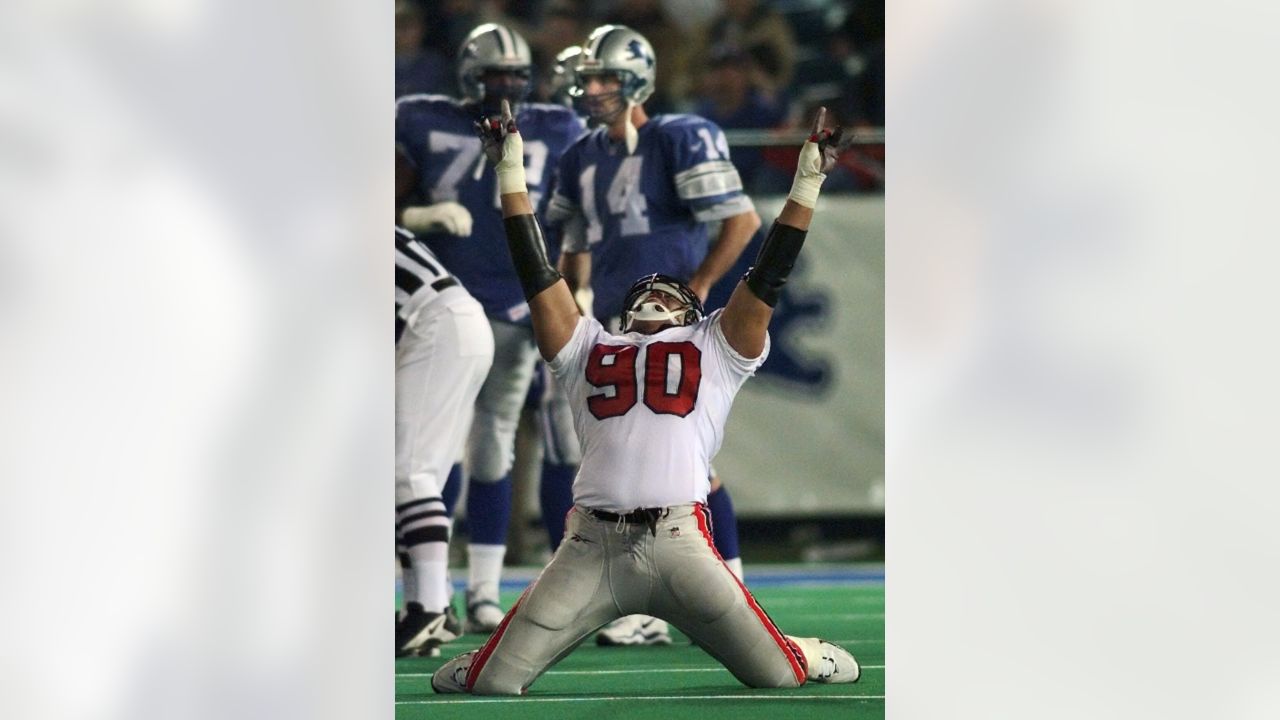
619 50
493 47
687 309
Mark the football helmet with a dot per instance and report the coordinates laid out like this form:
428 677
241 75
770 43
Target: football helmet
563 75
494 47
620 51
634 307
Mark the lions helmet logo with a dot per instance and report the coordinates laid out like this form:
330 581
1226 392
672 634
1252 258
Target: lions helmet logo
637 52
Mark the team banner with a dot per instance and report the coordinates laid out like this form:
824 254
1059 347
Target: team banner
806 436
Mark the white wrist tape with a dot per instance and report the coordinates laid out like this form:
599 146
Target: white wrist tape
809 176
510 168
804 190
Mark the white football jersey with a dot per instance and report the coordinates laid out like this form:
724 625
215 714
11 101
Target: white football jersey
650 410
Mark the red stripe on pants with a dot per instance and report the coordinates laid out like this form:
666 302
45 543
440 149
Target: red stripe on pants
799 666
487 649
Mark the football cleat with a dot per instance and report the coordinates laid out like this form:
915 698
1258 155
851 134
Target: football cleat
452 676
835 665
420 631
483 616
634 630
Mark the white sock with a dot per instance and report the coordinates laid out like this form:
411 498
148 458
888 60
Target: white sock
484 570
430 566
447 588
736 566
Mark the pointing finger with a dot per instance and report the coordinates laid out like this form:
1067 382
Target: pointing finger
818 122
507 119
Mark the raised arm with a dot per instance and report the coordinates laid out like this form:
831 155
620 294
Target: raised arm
745 321
550 303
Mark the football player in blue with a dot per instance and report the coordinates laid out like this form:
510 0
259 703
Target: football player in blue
635 196
448 195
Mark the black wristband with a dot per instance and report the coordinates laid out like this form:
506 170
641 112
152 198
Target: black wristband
529 254
773 264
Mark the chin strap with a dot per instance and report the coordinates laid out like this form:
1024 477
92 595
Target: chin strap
630 133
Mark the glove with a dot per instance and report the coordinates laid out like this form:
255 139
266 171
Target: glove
817 157
449 217
504 148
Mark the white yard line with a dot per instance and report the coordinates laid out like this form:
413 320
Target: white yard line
835 616
792 698
770 602
630 671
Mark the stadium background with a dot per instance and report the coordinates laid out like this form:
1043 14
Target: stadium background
804 451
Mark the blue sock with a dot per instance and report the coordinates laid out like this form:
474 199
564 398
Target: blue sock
452 488
556 495
488 511
724 524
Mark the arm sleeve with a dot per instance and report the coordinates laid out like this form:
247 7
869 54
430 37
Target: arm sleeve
706 180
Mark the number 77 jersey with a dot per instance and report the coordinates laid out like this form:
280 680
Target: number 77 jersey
650 410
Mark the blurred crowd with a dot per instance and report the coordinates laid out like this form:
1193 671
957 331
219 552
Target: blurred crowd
744 64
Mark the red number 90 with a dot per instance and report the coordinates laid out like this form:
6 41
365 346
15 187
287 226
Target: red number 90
613 369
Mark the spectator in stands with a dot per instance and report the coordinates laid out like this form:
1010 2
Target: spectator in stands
419 69
670 45
734 99
564 24
762 33
856 51
458 18
860 169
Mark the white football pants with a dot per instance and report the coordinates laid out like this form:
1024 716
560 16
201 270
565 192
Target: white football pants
441 361
605 570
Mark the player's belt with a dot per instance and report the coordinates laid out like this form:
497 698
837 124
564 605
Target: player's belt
639 516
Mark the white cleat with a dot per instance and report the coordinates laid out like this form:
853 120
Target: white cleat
634 630
835 665
452 676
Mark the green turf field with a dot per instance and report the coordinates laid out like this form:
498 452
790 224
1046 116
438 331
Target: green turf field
681 681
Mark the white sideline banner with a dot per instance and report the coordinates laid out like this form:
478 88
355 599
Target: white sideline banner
806 435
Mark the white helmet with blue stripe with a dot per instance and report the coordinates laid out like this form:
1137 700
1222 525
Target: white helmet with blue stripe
493 47
619 50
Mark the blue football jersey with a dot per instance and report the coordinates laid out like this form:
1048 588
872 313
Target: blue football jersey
645 212
435 134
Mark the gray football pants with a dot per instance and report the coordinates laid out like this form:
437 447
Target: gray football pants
606 570
492 443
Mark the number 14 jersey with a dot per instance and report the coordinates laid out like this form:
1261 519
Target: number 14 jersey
650 410
645 212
